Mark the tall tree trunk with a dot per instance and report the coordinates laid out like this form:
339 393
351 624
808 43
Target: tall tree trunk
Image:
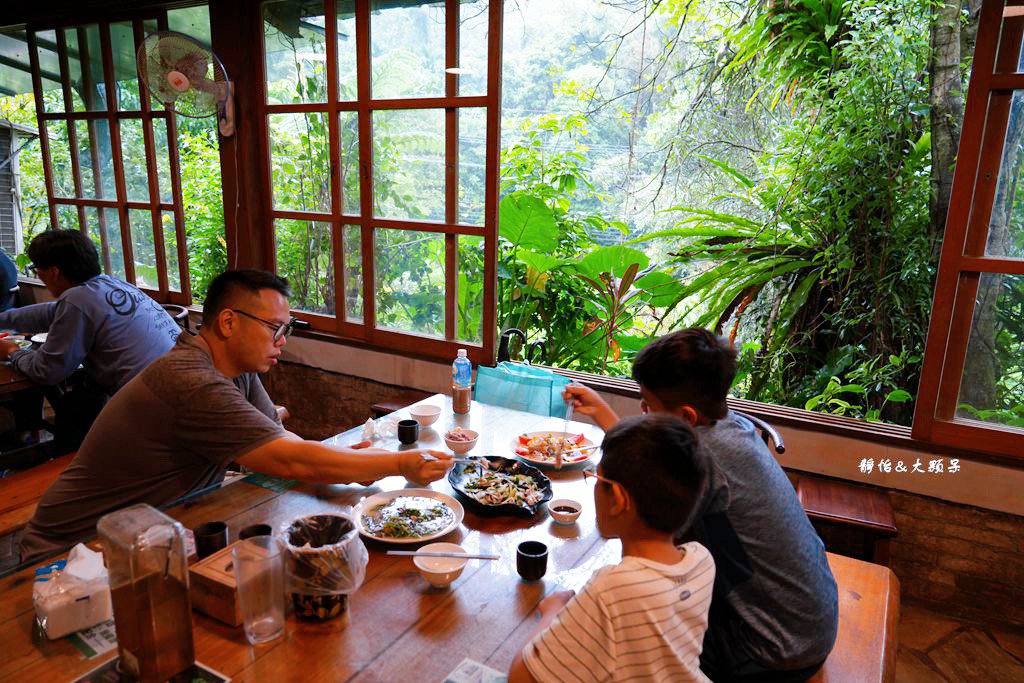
947 111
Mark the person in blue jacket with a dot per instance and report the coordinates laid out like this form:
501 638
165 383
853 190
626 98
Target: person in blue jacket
108 327
8 282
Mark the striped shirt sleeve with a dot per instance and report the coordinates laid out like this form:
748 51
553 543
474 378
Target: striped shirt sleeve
579 644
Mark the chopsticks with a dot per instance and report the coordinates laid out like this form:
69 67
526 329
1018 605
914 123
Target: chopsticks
428 456
570 406
581 449
422 553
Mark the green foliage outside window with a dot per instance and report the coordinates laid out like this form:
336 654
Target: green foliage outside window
773 184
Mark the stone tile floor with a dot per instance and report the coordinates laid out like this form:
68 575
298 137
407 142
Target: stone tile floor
937 648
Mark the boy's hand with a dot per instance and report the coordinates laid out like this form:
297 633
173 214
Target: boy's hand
587 402
554 603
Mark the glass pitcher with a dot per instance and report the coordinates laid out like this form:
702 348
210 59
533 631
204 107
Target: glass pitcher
145 552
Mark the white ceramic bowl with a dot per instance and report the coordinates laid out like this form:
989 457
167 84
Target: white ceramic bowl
564 517
426 415
462 447
441 571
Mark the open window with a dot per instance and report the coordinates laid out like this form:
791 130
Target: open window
972 385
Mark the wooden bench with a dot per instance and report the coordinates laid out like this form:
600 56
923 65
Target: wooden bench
869 614
867 510
397 402
21 491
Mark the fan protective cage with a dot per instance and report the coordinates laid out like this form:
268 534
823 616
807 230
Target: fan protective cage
164 56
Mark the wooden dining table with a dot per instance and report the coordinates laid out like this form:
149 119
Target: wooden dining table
11 380
397 627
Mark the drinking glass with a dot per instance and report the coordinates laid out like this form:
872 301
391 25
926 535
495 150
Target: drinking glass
259 573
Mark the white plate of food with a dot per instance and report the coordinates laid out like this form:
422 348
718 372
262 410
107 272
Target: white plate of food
39 338
540 448
408 515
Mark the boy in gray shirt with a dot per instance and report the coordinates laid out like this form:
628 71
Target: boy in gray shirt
109 327
775 610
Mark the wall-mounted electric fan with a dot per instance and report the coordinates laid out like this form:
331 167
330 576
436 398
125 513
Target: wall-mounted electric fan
187 76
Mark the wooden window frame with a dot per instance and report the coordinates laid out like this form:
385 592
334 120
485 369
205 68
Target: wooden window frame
113 116
963 262
367 332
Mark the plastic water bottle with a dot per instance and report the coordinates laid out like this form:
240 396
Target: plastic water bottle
462 383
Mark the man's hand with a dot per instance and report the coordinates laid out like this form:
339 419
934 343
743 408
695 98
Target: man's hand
587 402
7 347
414 467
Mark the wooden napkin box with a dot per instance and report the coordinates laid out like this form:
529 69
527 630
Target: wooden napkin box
213 589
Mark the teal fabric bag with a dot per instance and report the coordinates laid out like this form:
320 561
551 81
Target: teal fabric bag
521 387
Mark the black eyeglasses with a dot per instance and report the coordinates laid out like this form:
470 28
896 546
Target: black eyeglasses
591 475
280 329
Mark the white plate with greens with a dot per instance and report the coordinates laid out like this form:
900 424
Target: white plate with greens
408 516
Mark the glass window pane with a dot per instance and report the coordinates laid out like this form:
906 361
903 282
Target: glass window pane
1006 225
1013 60
103 227
348 164
94 159
60 159
409 268
473 25
143 248
346 33
49 71
352 245
67 217
408 49
171 251
469 293
122 44
192 21
203 204
133 154
300 169
85 63
304 257
163 158
408 164
472 165
992 389
296 52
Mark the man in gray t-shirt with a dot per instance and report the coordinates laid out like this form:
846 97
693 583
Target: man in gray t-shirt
173 429
775 610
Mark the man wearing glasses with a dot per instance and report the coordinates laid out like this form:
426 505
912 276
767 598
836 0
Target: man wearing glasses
109 327
173 430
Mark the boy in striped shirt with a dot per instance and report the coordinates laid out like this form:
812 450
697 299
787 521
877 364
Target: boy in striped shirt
645 618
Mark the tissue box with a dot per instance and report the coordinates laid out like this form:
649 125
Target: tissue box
213 588
66 603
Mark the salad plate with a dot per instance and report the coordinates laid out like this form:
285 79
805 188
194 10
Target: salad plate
492 485
539 448
408 515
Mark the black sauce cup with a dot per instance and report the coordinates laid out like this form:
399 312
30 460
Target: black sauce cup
532 560
408 431
255 530
210 538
